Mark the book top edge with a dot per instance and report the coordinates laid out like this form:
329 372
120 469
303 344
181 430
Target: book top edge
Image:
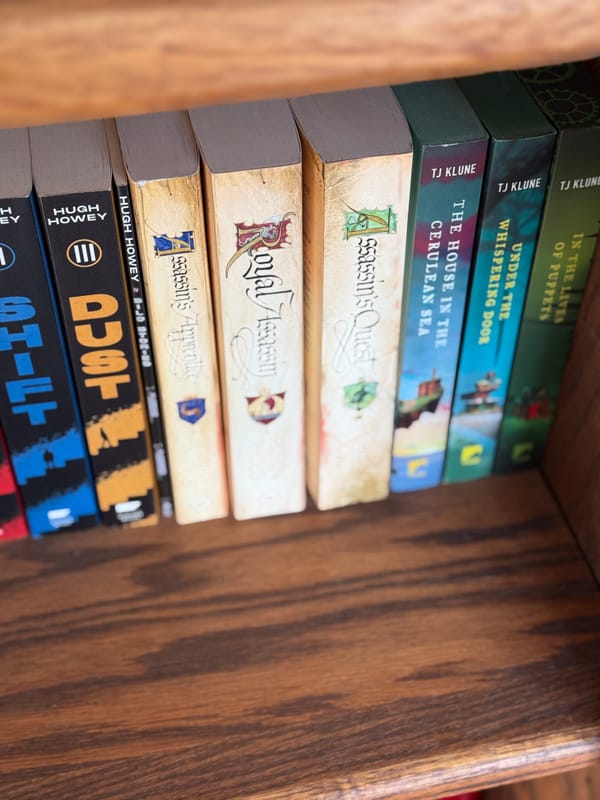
115 154
438 113
158 146
568 94
505 107
237 137
345 126
70 158
15 163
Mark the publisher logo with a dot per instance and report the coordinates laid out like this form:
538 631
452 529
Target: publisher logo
470 455
174 245
7 257
129 510
416 467
60 517
522 452
84 253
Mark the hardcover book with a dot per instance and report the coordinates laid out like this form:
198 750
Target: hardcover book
40 418
519 160
73 180
253 190
163 167
12 519
137 296
450 155
569 95
357 157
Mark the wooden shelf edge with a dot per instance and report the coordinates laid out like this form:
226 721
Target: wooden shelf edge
104 58
434 642
581 784
457 773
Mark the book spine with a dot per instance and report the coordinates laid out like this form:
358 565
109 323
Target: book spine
85 253
515 187
12 519
355 244
563 256
255 224
170 228
142 330
446 196
37 404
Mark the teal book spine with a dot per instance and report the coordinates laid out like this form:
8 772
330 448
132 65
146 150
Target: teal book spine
450 148
570 96
519 160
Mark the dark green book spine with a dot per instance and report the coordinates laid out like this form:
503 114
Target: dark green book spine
85 253
567 239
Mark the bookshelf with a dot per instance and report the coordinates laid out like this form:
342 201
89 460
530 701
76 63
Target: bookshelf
434 642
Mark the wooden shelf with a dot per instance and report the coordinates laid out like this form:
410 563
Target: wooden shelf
440 640
66 60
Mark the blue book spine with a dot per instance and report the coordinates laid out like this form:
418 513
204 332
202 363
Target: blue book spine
447 182
516 181
37 403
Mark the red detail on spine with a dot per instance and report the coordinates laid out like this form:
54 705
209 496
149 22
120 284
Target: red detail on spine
16 527
13 529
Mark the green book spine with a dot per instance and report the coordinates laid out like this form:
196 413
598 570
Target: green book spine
570 97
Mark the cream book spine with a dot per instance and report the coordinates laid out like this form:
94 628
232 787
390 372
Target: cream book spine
170 226
255 244
355 240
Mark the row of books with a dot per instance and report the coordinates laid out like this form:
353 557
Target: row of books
336 239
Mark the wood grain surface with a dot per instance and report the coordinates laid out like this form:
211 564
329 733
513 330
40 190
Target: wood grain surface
572 461
66 60
437 641
583 784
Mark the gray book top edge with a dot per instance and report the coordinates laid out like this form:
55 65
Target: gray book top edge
115 154
439 113
505 106
361 123
15 163
70 158
158 146
243 136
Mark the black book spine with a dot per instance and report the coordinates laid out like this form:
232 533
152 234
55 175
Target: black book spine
85 253
142 329
41 423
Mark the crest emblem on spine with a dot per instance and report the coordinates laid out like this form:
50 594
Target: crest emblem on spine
360 395
265 407
174 245
272 234
192 409
369 221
